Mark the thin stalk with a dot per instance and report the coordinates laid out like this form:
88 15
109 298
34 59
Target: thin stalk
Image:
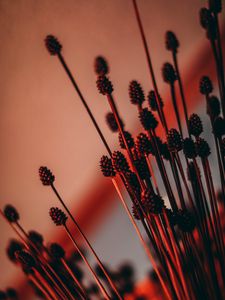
175 107
59 285
98 282
184 103
69 74
149 62
165 288
36 281
81 290
86 241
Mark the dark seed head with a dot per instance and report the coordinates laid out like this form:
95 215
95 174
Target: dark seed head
213 107
189 148
52 44
174 140
152 101
205 17
142 167
25 259
46 176
202 148
11 213
36 238
205 85
3 295
101 66
56 251
215 6
143 144
164 150
152 203
57 216
136 212
11 293
132 183
185 221
168 73
171 216
147 119
104 85
126 271
111 122
191 172
195 125
107 166
172 43
136 93
208 22
129 139
12 248
119 162
219 126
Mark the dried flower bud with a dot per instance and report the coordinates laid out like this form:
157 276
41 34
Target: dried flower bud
11 293
56 251
132 183
136 93
104 85
152 203
119 162
205 85
142 167
12 248
147 119
143 144
136 213
171 216
202 148
36 238
174 140
164 151
111 122
46 176
129 139
189 148
215 6
11 213
219 126
195 125
101 66
107 166
168 73
191 172
3 295
152 101
185 221
172 43
205 17
52 44
57 216
26 259
213 107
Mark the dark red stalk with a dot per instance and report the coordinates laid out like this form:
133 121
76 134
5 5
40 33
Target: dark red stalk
86 241
152 75
98 282
184 103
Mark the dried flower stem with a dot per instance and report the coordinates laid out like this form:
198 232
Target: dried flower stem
86 241
98 282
